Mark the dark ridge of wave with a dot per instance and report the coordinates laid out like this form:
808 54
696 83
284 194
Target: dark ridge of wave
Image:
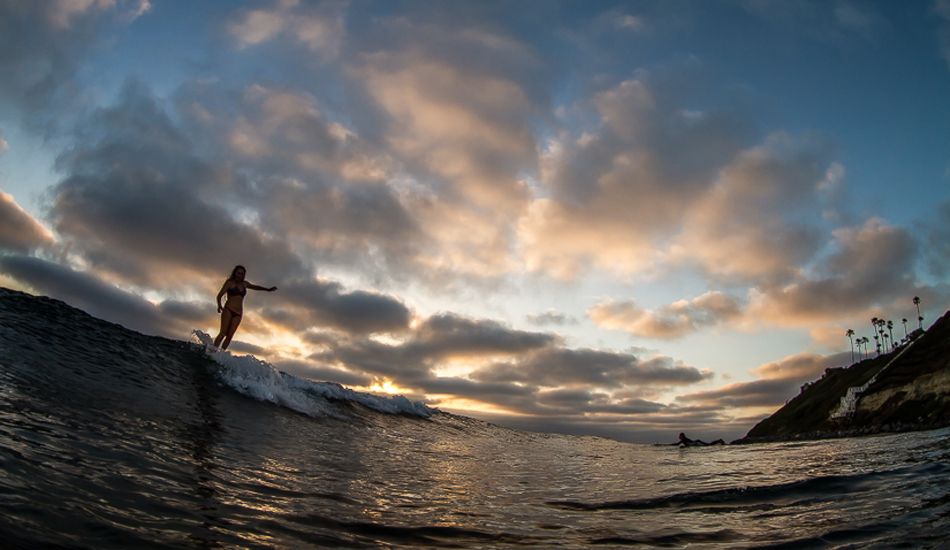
881 535
762 497
363 532
676 540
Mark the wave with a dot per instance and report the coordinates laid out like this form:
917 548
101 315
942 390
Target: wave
259 379
764 497
53 349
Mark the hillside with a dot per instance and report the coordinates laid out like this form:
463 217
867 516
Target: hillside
906 389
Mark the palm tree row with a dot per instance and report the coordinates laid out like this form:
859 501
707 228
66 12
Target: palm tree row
883 331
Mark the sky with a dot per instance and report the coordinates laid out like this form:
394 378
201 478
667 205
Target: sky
620 219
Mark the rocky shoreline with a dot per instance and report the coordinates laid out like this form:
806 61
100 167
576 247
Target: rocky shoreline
861 431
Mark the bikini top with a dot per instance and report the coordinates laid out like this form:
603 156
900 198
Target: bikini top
237 291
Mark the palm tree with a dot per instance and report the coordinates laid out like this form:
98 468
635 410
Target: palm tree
920 320
850 335
877 344
880 328
865 341
890 331
904 320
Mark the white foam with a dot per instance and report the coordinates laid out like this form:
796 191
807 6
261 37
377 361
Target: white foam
260 380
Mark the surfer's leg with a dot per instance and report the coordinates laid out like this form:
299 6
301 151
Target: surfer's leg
225 325
232 328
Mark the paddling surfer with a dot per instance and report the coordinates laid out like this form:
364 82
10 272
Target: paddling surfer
687 442
235 287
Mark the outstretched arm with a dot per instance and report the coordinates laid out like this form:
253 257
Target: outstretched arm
252 286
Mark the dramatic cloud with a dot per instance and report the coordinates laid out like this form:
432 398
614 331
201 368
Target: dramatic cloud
620 189
779 382
484 364
140 205
321 304
462 132
438 342
672 321
745 227
586 367
19 231
43 45
873 264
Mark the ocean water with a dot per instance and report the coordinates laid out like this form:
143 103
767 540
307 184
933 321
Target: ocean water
111 439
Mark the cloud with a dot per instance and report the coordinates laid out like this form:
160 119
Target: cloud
284 126
310 304
873 263
488 365
62 14
467 129
40 56
335 196
461 132
780 380
19 231
631 22
671 321
422 180
562 367
438 341
318 27
749 226
447 334
829 337
618 191
137 203
550 317
43 45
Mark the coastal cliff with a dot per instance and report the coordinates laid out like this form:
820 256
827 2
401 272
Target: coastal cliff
904 390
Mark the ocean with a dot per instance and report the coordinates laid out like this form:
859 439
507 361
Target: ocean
113 439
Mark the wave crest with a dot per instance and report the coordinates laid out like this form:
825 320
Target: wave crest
259 379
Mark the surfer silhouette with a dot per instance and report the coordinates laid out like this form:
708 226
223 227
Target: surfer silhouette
687 442
235 287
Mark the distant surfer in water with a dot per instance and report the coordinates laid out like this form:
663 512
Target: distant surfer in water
233 309
687 442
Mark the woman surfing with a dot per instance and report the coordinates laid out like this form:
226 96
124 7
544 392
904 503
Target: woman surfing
235 287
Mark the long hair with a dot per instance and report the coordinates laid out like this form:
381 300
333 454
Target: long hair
234 271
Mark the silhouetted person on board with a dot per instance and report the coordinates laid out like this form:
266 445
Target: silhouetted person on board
687 442
233 309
